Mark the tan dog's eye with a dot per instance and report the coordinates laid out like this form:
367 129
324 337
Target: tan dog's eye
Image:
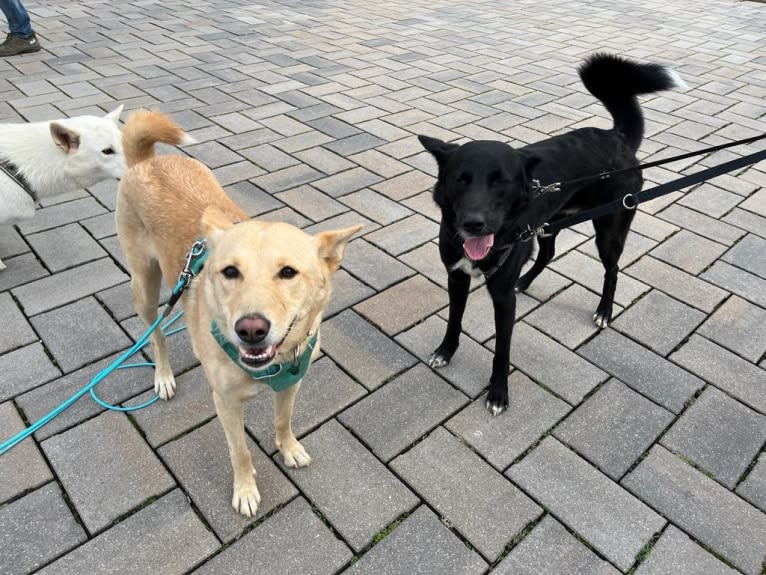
287 273
230 272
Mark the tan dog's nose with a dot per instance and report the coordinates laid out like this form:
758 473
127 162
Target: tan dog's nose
252 328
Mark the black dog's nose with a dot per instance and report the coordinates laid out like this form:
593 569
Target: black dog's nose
473 223
252 328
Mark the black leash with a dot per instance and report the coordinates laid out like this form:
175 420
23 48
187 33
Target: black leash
631 201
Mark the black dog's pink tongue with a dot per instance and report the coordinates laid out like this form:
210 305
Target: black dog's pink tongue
477 248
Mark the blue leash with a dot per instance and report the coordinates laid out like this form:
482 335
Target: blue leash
194 262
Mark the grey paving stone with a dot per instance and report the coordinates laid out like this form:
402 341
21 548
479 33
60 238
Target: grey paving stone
678 284
703 225
344 220
21 270
324 160
676 553
747 221
716 365
253 200
423 203
125 473
180 349
119 386
737 326
403 305
346 291
547 284
67 286
608 517
688 251
552 365
719 434
642 369
100 226
287 178
756 203
38 369
550 548
79 333
65 247
753 488
659 321
35 529
567 317
271 548
354 144
61 214
532 412
404 235
590 273
405 185
701 507
346 182
325 391
425 259
373 266
651 227
362 350
200 461
118 300
16 330
352 489
167 532
636 245
400 412
311 203
11 243
710 200
748 255
738 281
22 468
489 514
375 206
471 365
191 405
420 545
613 427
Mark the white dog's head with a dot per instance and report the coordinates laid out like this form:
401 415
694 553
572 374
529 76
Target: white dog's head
92 146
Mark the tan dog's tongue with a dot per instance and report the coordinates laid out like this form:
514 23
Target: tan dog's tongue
477 248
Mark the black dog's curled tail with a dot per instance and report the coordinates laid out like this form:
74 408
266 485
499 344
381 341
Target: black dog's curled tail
616 81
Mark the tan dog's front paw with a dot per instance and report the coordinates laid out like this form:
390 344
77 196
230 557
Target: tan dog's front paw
164 385
246 498
294 454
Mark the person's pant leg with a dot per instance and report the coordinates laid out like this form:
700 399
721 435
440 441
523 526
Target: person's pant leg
18 19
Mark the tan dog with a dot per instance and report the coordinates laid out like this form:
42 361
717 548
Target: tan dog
264 286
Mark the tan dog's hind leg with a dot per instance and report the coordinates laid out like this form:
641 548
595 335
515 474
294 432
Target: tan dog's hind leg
145 284
292 451
246 497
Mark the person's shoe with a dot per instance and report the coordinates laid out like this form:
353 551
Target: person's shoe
14 45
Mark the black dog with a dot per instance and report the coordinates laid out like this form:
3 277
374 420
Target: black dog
485 193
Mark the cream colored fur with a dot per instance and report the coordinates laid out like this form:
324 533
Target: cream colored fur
164 204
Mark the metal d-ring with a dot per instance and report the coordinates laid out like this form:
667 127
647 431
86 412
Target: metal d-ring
625 203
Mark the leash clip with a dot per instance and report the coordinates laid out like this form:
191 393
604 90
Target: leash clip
190 270
538 188
531 232
632 205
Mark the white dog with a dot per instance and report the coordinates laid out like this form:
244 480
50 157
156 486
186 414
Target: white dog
43 159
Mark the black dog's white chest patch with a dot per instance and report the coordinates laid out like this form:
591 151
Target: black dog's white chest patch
467 267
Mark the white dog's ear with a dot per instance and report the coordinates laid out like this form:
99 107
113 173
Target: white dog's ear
66 139
214 222
332 244
114 115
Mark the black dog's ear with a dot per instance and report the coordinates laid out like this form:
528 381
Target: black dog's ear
439 150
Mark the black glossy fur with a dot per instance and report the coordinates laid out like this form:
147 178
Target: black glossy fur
483 188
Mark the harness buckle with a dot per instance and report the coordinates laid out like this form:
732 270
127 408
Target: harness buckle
538 188
531 232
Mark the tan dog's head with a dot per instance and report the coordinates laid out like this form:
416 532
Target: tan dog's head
266 284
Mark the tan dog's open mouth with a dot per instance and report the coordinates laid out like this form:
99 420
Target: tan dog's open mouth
258 356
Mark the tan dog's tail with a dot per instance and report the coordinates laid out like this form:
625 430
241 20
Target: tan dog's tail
145 128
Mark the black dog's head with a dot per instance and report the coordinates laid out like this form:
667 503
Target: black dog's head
482 186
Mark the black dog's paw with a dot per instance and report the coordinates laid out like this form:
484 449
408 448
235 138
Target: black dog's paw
497 400
437 360
602 318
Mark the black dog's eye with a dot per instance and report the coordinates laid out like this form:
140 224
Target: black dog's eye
464 179
107 151
287 273
230 273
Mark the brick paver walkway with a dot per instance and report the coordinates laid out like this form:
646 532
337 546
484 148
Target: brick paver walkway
636 449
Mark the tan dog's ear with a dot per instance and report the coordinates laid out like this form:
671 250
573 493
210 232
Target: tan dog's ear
332 244
66 139
214 223
114 115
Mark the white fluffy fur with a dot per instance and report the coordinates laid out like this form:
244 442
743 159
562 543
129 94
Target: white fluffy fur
51 168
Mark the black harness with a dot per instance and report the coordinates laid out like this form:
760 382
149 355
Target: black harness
12 171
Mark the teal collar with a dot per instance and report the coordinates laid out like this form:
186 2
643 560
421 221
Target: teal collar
279 377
